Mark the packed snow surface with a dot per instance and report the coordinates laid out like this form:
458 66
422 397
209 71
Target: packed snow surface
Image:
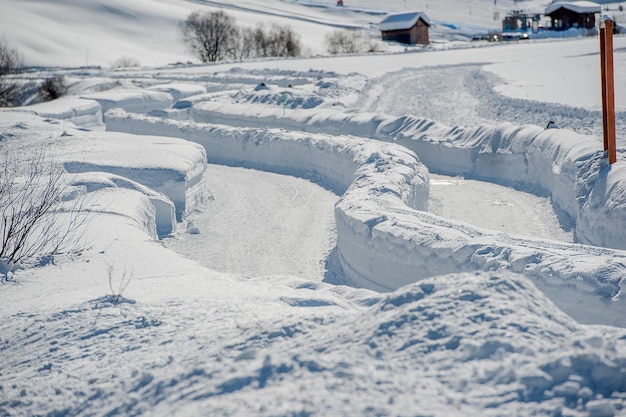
394 234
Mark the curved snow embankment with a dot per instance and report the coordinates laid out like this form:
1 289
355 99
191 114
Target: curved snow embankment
179 91
167 175
135 100
87 110
172 167
151 211
329 161
383 241
561 163
80 112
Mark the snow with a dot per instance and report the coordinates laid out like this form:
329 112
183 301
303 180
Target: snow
464 199
399 21
258 223
575 6
386 234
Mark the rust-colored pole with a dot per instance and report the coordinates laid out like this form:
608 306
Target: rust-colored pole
609 94
603 76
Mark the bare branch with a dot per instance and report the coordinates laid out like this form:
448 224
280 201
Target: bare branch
10 64
35 222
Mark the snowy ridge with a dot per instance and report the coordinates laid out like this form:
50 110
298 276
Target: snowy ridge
158 218
558 162
174 168
330 160
138 100
468 344
81 112
380 229
168 171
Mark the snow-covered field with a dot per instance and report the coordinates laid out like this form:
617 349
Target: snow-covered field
394 234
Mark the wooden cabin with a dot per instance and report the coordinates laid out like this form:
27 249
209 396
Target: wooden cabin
410 28
573 14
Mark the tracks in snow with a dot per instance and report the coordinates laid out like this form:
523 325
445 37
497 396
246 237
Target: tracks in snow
463 95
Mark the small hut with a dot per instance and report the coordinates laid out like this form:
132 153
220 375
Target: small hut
573 14
409 27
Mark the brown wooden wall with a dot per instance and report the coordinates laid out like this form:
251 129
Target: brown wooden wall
569 19
418 34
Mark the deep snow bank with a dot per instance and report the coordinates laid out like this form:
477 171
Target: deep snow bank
561 163
487 344
87 109
383 241
169 166
168 172
81 112
179 91
330 161
155 214
136 100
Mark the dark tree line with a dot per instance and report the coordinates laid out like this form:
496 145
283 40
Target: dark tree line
215 36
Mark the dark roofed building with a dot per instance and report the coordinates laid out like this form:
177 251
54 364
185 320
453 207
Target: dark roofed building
573 14
408 27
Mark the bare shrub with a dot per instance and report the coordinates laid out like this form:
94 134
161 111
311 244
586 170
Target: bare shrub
282 41
118 294
260 42
10 64
210 36
348 42
125 62
35 222
52 88
246 44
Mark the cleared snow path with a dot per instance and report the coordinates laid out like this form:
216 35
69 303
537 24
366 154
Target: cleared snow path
495 207
259 224
464 95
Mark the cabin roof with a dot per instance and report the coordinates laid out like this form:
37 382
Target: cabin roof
400 21
575 6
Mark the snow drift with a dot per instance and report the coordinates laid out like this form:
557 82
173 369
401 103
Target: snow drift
567 166
383 240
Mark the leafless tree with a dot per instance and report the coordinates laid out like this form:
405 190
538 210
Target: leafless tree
35 222
10 64
245 46
210 36
348 42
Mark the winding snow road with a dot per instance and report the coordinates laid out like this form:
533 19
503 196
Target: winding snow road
262 224
240 231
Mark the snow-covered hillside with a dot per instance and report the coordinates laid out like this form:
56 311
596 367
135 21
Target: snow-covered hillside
99 32
343 292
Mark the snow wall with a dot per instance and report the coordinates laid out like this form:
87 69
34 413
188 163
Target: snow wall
384 240
157 219
567 166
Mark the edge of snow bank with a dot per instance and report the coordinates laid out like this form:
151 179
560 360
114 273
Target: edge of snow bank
383 241
567 166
